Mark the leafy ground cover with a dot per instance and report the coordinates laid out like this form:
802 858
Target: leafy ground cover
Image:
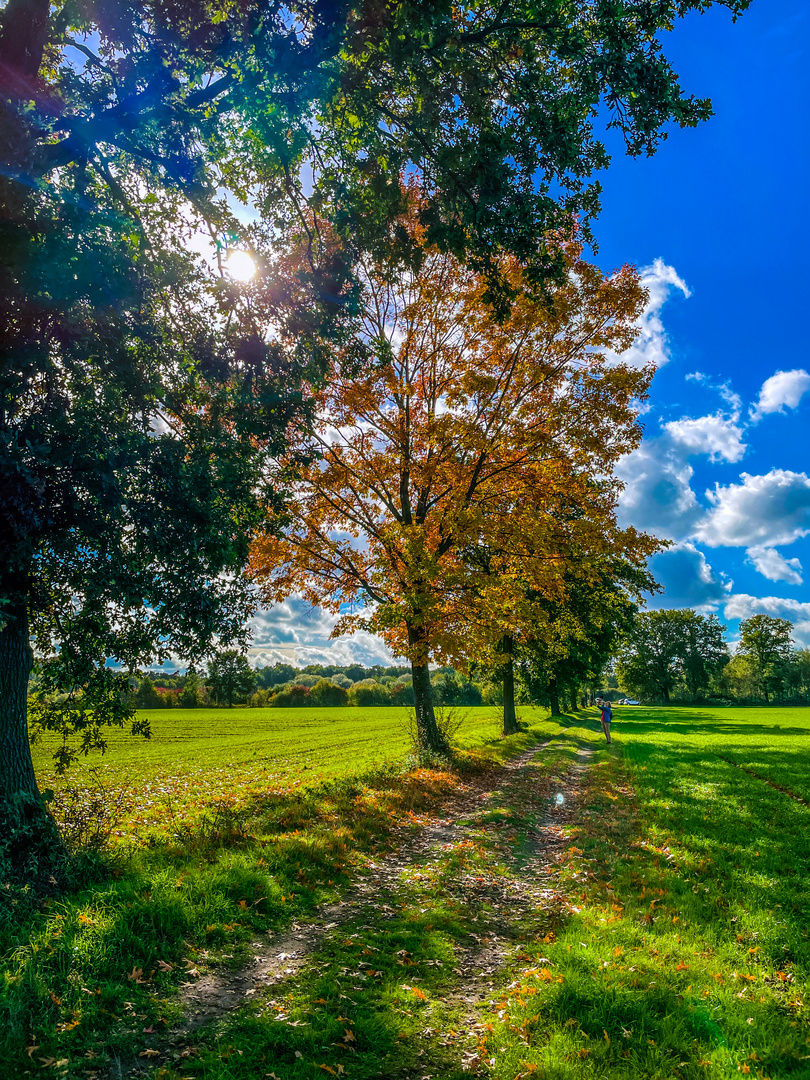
633 912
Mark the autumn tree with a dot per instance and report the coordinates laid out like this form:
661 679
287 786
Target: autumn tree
460 430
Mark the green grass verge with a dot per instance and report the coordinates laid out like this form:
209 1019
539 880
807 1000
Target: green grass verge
686 952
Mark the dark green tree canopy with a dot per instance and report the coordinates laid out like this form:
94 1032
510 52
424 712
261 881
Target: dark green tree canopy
767 645
230 677
670 649
493 106
577 634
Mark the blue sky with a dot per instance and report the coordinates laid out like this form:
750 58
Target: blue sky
718 220
723 469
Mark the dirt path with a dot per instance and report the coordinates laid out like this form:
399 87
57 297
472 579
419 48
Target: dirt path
525 888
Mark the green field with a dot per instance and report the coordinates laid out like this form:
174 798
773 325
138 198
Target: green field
198 756
687 950
674 943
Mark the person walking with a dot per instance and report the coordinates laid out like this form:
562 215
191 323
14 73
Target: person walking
607 716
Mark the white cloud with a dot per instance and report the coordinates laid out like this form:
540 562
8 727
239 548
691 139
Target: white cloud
658 495
717 436
652 344
774 566
763 511
731 398
743 606
784 389
296 633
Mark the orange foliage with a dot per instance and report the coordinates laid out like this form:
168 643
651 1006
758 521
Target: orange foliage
459 432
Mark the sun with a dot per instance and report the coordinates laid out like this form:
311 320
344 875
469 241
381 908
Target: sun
240 266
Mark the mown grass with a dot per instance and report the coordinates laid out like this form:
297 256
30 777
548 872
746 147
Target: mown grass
686 953
198 756
87 977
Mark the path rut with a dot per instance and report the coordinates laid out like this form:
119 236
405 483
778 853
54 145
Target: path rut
279 957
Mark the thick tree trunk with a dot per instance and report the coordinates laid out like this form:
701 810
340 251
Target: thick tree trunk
553 697
427 730
510 724
16 769
30 848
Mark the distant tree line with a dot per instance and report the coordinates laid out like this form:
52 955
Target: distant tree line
682 656
668 656
231 681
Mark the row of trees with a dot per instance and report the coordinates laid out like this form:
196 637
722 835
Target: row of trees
453 500
157 418
683 655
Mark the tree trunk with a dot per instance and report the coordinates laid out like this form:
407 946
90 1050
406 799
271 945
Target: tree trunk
16 768
510 724
427 730
30 849
553 697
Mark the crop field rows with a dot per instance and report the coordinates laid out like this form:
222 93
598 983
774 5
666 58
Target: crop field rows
196 757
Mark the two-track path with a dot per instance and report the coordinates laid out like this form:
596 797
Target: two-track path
526 887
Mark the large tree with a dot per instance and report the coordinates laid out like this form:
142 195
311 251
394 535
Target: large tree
573 635
230 677
667 649
462 432
766 645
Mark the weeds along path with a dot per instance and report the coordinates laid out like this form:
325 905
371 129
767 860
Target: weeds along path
490 863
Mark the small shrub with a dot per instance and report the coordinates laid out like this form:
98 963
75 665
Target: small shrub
86 815
329 694
291 696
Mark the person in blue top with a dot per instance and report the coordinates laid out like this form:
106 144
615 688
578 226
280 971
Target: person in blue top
607 716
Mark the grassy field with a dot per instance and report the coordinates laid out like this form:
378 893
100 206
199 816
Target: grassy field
198 756
687 949
676 945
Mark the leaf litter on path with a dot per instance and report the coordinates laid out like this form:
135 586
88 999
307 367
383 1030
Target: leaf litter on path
521 886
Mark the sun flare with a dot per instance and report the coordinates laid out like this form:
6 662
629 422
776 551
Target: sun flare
240 266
